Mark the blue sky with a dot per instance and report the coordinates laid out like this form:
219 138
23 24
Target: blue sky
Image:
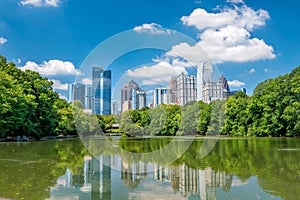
248 40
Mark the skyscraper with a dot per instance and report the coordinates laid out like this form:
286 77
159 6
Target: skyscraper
186 89
96 75
204 74
215 90
114 108
77 92
163 96
140 99
88 97
126 95
101 89
106 77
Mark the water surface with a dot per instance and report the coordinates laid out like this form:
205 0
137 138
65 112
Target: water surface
115 168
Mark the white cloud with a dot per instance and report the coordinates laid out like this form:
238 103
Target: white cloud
3 40
193 54
236 83
152 28
226 34
59 86
39 3
235 1
156 74
252 71
52 67
233 44
202 19
87 81
242 17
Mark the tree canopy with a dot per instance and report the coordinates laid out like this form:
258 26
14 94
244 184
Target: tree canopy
29 106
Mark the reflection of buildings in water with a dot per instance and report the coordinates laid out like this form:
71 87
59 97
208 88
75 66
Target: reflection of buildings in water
94 183
172 182
133 173
188 181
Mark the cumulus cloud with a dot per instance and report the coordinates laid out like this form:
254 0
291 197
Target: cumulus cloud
252 71
52 68
234 44
226 34
3 40
235 1
242 17
40 3
87 81
156 74
193 54
152 28
236 83
59 86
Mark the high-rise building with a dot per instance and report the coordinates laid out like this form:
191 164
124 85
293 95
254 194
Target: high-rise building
96 89
186 89
204 74
140 99
115 108
173 87
126 95
163 96
106 96
77 92
215 90
88 97
101 89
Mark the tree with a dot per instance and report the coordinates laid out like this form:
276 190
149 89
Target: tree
236 115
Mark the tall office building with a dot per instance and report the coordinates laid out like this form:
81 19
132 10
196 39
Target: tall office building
215 90
204 74
106 102
126 95
173 87
186 89
96 88
101 89
77 92
88 97
163 96
115 108
140 99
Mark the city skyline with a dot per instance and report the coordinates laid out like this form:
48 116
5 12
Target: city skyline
182 89
263 34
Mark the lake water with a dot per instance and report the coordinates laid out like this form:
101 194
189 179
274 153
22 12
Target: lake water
151 168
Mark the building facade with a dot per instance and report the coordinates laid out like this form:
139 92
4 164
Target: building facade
106 103
101 90
77 92
127 94
163 96
186 89
215 90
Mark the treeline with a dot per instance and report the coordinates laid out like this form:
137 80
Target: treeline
29 106
272 110
173 120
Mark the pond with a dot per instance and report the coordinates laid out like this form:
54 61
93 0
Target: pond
151 168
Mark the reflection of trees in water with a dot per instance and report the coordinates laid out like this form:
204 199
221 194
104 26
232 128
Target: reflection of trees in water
31 168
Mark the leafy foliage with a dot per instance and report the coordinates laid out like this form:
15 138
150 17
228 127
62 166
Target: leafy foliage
29 106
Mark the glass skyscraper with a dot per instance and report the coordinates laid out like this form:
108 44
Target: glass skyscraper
101 91
106 77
